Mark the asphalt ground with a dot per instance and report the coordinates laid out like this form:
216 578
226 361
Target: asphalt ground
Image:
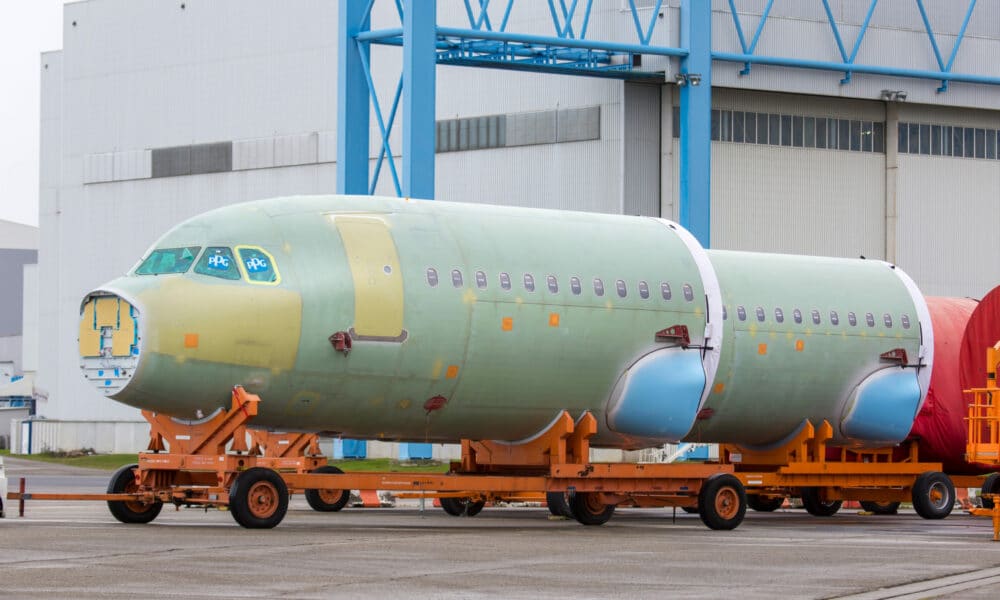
77 550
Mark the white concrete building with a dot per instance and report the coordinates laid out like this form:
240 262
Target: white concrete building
155 111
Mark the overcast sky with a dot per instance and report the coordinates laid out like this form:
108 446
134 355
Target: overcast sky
27 28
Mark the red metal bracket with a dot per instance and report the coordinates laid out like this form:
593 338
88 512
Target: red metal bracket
341 342
895 355
674 333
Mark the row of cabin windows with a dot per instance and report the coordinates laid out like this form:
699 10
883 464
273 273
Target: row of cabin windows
552 283
852 318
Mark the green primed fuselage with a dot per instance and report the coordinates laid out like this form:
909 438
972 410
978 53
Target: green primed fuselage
450 341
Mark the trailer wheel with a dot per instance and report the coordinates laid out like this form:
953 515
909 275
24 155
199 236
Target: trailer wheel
990 486
126 511
558 504
258 498
462 507
763 503
933 495
327 500
880 508
588 509
816 506
722 502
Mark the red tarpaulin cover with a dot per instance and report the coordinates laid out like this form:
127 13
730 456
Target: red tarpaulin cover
940 426
982 332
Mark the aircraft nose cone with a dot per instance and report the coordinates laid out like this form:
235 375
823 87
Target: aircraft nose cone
109 341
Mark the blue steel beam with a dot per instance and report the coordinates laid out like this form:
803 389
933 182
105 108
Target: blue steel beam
419 65
696 120
352 99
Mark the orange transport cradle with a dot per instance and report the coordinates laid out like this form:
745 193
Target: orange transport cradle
984 438
189 465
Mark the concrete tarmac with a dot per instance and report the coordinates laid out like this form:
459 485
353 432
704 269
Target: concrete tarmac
77 550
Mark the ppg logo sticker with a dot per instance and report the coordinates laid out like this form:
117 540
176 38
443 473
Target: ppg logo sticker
218 261
256 264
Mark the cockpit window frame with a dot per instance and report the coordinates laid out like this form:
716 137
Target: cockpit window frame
210 271
195 250
242 267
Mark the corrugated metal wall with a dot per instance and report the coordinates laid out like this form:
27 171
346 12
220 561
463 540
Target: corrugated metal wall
774 198
949 209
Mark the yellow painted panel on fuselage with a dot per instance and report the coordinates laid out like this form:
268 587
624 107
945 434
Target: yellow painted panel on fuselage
378 282
253 326
90 336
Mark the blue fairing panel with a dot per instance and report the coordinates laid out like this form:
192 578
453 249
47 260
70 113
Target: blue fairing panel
660 395
883 407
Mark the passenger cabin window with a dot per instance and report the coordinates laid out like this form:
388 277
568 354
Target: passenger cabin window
815 316
165 261
725 313
432 277
852 319
665 290
905 320
505 281
620 286
760 314
797 316
598 287
688 292
887 319
870 319
481 280
643 290
741 313
574 286
218 261
456 278
779 315
529 282
552 283
834 318
259 265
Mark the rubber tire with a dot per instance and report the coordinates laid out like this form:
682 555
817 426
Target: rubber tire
240 501
926 506
462 507
990 486
584 507
815 506
121 482
691 510
315 497
709 500
880 508
558 504
764 503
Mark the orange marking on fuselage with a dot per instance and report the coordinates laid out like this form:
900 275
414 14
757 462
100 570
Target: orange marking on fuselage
762 349
719 388
553 319
190 340
799 345
507 323
452 372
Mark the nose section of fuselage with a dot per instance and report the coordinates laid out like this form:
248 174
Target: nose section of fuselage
109 341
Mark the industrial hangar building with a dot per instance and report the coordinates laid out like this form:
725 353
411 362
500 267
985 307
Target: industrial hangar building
156 111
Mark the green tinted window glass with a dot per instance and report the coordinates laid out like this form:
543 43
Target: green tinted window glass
168 260
218 262
258 265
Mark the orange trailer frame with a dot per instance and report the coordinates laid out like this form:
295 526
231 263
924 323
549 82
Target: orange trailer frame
189 464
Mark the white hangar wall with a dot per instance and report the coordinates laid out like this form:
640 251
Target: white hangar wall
152 114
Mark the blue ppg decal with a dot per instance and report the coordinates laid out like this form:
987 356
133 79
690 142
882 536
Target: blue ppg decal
218 261
256 264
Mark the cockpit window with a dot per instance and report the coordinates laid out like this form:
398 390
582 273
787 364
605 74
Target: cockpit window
163 261
258 265
218 261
